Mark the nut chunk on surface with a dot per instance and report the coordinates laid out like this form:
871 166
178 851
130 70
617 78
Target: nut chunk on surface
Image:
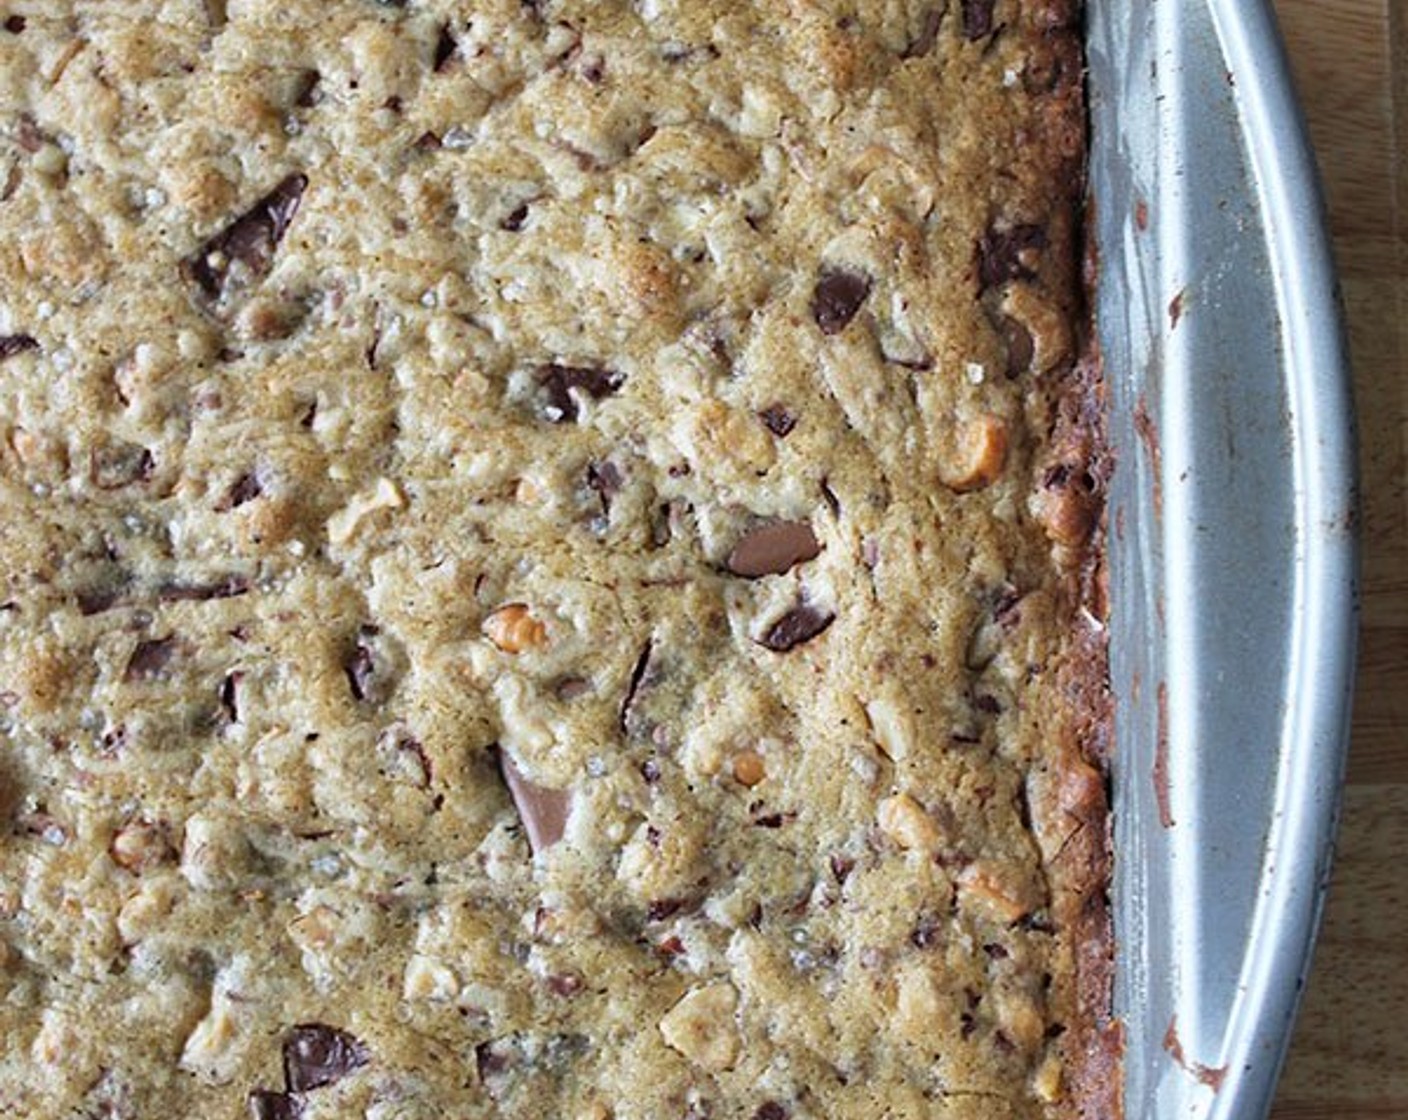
702 1028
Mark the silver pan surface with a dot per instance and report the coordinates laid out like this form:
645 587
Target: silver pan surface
1232 542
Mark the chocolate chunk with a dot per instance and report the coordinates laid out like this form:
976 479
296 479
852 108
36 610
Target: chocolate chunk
248 242
801 624
559 384
594 69
493 1057
772 549
928 35
564 984
516 219
96 600
306 92
265 1104
543 811
244 489
230 696
606 479
119 465
12 344
838 296
316 1055
977 19
223 587
1004 254
778 419
638 680
661 908
926 933
445 47
361 666
150 658
771 1110
1021 348
15 24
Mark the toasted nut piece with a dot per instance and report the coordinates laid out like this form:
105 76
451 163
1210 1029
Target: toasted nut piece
980 455
749 768
1046 1082
906 822
920 1006
991 890
701 1027
1065 505
1021 1020
513 629
141 845
428 979
893 728
344 523
1047 326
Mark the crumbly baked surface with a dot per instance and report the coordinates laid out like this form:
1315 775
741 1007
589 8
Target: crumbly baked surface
545 562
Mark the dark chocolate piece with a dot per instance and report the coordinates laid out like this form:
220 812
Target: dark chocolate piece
801 624
248 242
838 296
316 1055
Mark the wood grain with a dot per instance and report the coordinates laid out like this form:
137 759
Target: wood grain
1349 1059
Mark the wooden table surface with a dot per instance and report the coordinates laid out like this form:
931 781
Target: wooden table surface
1349 1059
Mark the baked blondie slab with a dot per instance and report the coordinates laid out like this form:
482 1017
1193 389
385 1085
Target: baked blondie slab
546 565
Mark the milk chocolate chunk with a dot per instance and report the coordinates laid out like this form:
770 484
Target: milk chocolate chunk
12 344
977 19
243 490
778 419
838 296
543 811
1008 252
563 386
773 549
150 658
445 48
266 1104
316 1055
222 587
243 252
801 624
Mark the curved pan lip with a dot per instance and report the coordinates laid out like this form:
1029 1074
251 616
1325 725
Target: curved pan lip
1222 859
1317 366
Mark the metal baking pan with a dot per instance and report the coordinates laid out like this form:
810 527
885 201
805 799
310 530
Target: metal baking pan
1232 542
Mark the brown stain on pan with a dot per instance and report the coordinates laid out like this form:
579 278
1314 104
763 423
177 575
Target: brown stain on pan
1161 790
1149 436
1211 1076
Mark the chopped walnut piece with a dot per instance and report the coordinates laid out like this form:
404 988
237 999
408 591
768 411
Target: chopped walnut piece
513 629
990 889
908 824
979 455
343 525
701 1027
141 845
